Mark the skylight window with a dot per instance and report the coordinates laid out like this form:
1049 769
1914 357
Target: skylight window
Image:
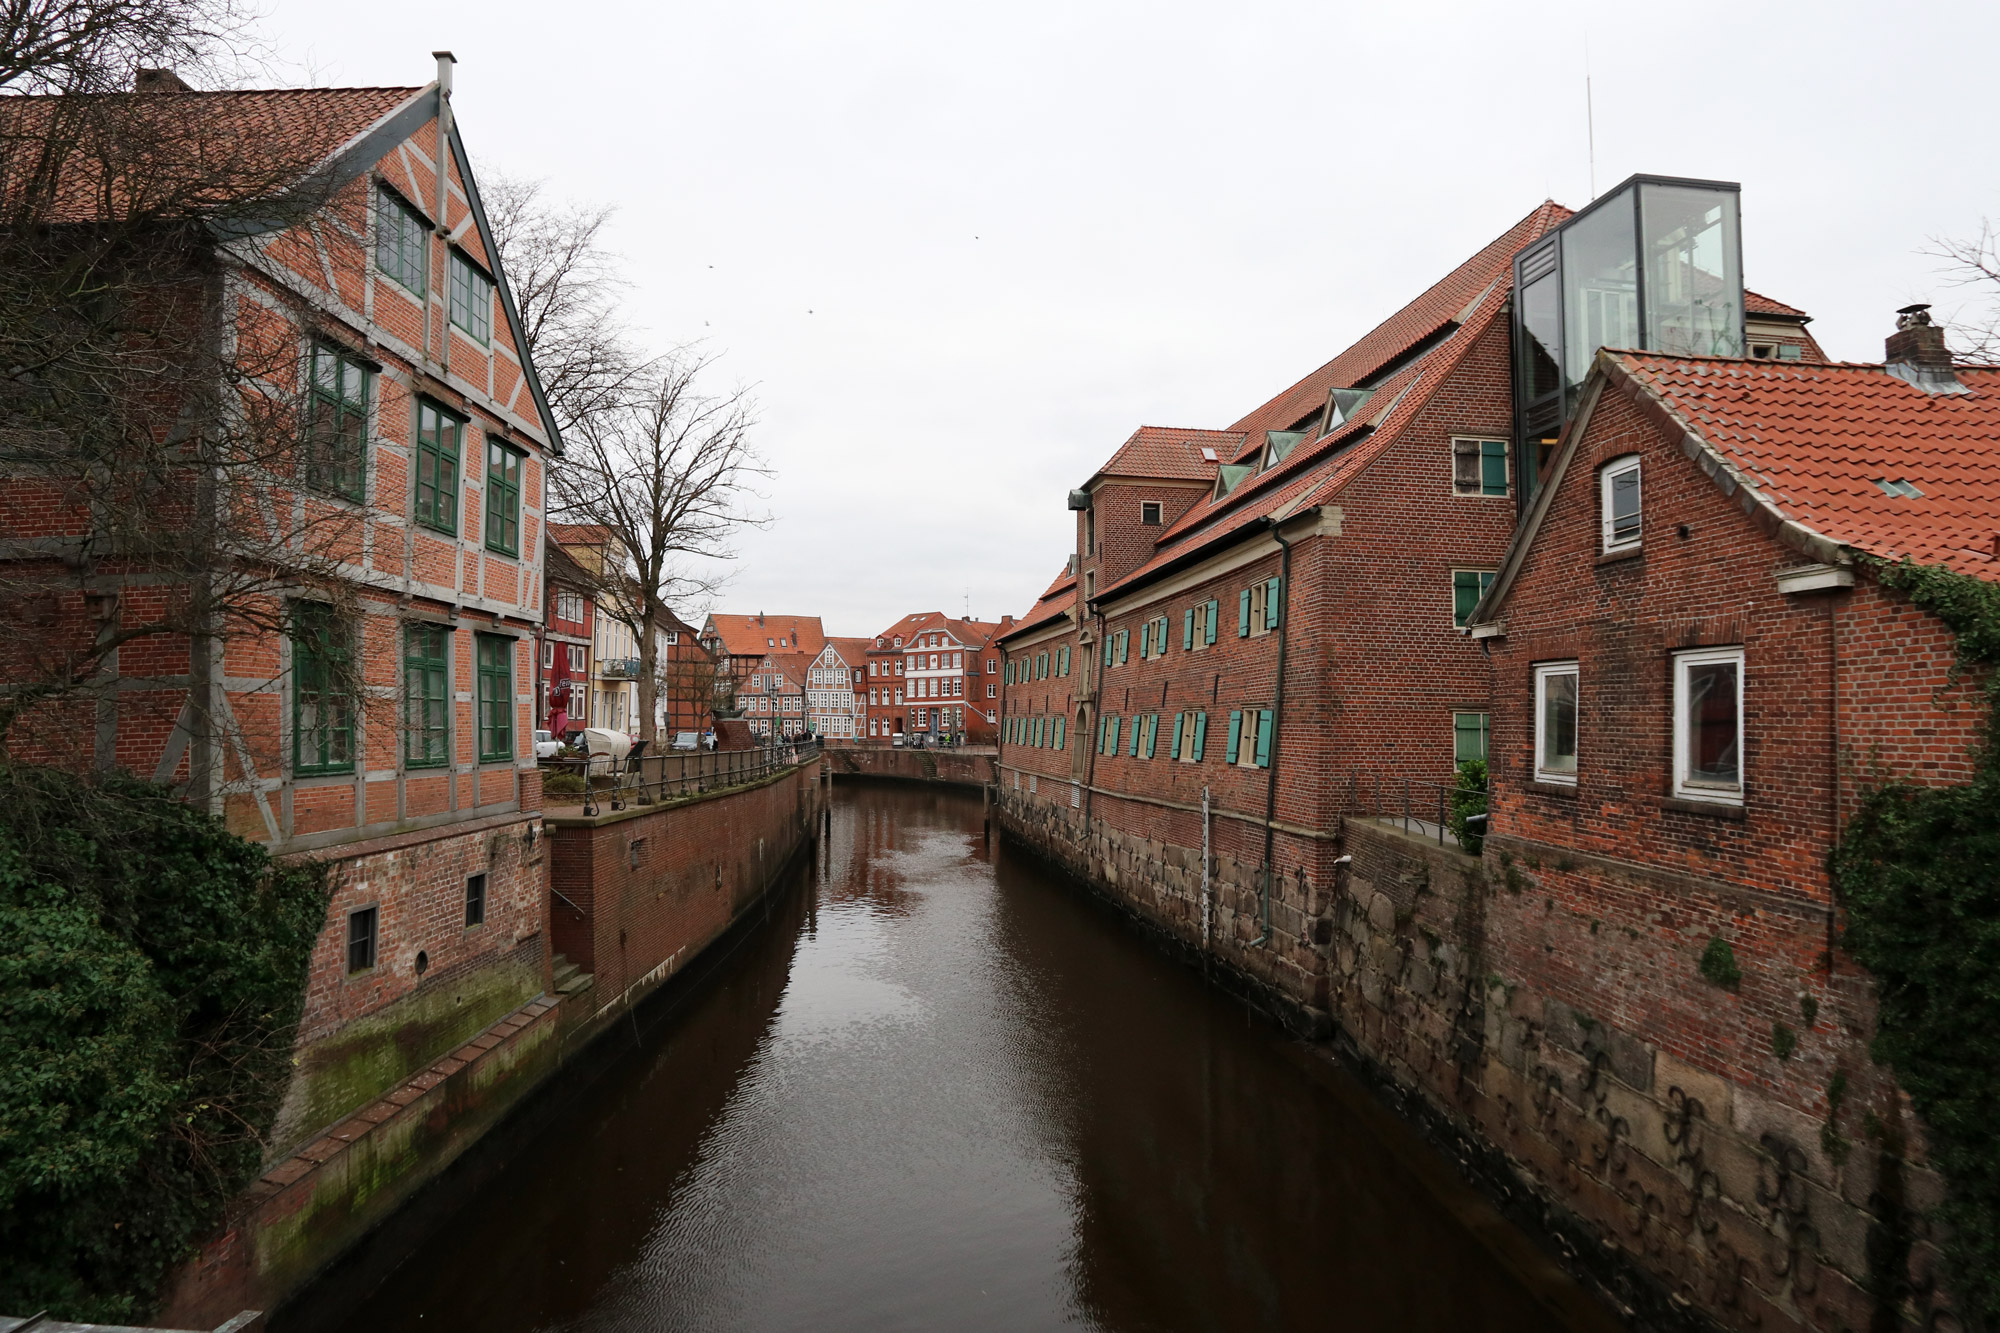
1207 454
1899 488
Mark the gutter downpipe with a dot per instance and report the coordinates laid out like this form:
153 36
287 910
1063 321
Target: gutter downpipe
1277 727
445 60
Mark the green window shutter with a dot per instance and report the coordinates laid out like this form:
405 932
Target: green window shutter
1060 729
426 702
1187 628
1145 640
496 698
1200 735
1493 467
1064 655
1469 736
1214 609
322 710
1152 735
1116 723
1243 614
1467 587
1264 738
1180 720
1270 603
1132 745
1124 646
1235 734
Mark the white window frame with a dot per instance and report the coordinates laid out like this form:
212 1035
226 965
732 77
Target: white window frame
1684 788
1606 475
1543 673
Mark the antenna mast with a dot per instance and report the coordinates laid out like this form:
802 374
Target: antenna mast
1589 116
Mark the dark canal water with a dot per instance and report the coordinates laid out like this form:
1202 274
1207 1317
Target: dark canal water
942 1090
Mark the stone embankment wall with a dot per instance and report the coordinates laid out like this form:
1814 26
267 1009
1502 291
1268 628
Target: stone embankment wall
969 767
1544 1019
699 866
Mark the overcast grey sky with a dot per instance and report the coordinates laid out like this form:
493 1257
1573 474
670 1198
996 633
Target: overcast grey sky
961 251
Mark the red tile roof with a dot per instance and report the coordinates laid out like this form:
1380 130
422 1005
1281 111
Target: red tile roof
579 534
1757 304
972 633
1446 301
234 145
1812 441
1054 603
1165 451
853 651
746 636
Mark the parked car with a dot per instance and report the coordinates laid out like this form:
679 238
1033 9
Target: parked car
546 745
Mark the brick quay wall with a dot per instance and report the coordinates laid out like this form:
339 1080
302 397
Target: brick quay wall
1692 1185
626 900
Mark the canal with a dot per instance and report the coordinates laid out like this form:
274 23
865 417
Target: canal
941 1089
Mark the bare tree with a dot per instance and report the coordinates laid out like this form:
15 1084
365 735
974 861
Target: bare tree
567 287
171 480
669 472
96 46
1974 262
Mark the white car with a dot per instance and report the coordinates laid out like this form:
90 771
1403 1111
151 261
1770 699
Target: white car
546 745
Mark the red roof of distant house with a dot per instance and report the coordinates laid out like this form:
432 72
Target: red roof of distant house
1813 441
853 651
579 534
1172 453
756 635
1755 303
971 633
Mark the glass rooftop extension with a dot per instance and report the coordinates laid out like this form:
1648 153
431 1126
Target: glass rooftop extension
1656 265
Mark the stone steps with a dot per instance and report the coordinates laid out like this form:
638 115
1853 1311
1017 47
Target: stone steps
569 978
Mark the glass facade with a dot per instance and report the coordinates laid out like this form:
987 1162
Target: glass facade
1656 265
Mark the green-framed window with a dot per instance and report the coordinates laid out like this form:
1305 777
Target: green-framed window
1469 732
503 498
322 707
426 696
336 435
1479 467
1467 587
400 236
438 437
496 698
471 298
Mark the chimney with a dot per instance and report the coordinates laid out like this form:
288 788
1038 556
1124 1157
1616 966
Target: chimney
1007 619
1915 353
159 81
760 620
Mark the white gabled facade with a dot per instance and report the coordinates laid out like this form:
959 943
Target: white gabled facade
834 708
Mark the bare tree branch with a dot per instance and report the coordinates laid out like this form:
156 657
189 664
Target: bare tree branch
1974 263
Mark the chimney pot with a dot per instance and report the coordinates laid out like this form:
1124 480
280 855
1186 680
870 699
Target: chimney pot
1916 353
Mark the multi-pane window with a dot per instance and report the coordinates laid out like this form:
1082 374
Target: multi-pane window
471 298
1149 513
1190 737
1468 736
503 498
361 930
1467 587
1555 722
322 704
1618 500
400 234
336 436
1257 609
426 701
475 900
496 698
1708 725
1479 467
438 434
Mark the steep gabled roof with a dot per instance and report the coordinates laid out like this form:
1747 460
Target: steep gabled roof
1805 449
1056 602
744 636
853 651
971 633
1755 303
1171 453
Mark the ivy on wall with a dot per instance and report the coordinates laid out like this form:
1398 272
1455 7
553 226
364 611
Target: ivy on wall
1918 872
152 972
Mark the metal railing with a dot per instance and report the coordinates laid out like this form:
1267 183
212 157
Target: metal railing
1423 808
650 779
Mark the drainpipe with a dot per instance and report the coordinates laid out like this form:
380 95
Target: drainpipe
445 60
1277 726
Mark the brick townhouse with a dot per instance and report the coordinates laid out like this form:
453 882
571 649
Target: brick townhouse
773 696
1697 673
836 690
426 444
562 693
739 643
935 675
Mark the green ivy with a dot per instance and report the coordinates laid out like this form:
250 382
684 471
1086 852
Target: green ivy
1468 798
1917 870
1718 963
152 971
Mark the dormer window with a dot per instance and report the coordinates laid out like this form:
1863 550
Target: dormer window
1618 501
1229 476
1341 405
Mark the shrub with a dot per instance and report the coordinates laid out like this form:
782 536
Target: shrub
1468 799
152 971
1718 963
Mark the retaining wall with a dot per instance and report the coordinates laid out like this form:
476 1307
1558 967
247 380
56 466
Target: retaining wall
969 767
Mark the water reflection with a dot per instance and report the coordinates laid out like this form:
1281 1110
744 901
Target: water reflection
942 1091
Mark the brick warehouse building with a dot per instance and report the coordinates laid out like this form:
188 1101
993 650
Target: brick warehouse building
1211 714
426 445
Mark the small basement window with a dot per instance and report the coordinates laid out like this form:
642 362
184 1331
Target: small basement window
1555 722
1149 513
361 931
1618 501
475 900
